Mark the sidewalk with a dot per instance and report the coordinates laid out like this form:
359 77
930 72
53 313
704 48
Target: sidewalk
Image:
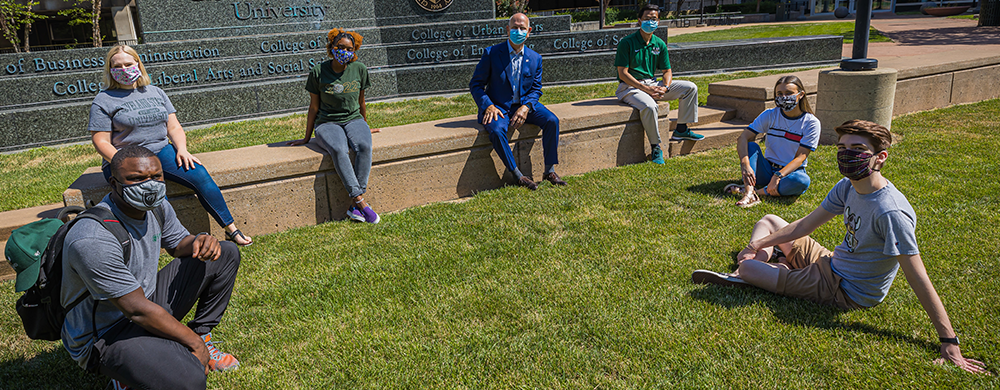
913 36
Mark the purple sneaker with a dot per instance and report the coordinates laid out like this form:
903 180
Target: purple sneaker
355 214
370 215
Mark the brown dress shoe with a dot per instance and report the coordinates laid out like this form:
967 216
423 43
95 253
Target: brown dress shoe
553 178
524 181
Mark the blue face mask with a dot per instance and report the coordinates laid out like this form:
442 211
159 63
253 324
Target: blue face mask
517 36
648 26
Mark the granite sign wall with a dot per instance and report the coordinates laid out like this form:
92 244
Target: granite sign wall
222 66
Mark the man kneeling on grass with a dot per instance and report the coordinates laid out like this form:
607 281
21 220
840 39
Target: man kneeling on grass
880 239
129 329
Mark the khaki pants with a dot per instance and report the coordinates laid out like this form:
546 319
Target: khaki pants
811 277
685 91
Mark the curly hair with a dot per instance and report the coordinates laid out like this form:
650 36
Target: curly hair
336 35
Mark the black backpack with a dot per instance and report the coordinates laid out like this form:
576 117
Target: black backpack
40 308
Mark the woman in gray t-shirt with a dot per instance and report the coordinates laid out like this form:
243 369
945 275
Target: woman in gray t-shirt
133 112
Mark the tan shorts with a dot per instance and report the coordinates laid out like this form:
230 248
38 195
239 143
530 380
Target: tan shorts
811 277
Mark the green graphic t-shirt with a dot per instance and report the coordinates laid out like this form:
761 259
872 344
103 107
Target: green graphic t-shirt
338 92
641 59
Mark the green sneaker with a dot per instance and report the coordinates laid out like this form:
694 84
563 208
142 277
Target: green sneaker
686 135
657 155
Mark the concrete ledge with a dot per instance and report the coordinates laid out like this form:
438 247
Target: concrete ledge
924 82
270 188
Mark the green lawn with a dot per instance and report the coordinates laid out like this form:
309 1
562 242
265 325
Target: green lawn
41 175
846 29
588 286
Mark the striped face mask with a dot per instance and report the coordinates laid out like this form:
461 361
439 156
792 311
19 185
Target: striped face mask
854 164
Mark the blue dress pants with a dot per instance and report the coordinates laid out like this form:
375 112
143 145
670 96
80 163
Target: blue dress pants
539 116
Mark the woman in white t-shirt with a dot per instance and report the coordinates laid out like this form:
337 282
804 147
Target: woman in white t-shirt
792 133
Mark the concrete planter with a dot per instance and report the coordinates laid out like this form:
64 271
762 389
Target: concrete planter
946 11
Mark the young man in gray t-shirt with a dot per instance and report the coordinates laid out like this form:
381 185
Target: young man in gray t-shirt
857 274
134 308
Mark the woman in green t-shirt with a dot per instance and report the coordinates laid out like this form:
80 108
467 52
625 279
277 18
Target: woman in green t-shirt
337 114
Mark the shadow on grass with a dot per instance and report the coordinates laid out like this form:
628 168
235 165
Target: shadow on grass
798 312
714 189
48 370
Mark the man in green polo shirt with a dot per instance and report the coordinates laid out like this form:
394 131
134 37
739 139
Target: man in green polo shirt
639 56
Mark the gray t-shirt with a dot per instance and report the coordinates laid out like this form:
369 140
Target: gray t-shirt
880 226
92 260
133 116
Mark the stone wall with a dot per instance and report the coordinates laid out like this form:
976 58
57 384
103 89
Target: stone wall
920 86
412 165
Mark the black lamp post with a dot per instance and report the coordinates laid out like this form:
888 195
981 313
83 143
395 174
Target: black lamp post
862 23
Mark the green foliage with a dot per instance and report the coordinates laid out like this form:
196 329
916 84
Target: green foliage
845 29
588 286
81 15
612 15
15 16
507 8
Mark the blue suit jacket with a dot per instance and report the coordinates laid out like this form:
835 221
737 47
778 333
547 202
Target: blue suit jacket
490 84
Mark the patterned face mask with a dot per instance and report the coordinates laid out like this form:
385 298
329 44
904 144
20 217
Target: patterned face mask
854 164
787 102
127 75
342 56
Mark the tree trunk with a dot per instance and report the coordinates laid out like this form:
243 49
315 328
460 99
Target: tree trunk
8 33
95 22
27 36
680 3
989 13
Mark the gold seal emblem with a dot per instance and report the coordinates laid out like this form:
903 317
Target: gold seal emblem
434 5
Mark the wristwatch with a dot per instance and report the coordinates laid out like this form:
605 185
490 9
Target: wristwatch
779 175
949 340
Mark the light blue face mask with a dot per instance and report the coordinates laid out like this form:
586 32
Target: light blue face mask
518 36
648 26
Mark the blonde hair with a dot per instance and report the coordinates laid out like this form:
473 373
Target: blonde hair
110 82
804 102
337 34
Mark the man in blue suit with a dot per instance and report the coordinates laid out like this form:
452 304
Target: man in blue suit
506 86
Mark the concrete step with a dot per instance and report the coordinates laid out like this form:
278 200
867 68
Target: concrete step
13 219
415 141
717 135
10 220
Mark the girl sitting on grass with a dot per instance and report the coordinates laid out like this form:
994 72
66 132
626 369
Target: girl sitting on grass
792 133
338 114
131 111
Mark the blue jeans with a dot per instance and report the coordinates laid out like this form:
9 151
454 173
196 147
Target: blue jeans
197 179
794 184
539 116
339 140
